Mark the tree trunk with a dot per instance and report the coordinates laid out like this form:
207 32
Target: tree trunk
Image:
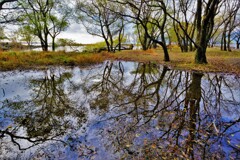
119 40
200 56
238 44
45 43
229 42
144 43
45 47
164 46
205 24
224 41
53 44
108 45
119 45
111 44
221 43
190 46
29 45
120 35
185 44
165 50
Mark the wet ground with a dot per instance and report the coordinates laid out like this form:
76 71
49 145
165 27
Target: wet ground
119 110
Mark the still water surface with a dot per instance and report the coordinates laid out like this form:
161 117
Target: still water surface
119 110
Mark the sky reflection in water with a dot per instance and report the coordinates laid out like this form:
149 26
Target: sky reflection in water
119 110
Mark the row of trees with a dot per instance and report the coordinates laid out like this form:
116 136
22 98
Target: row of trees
41 18
194 24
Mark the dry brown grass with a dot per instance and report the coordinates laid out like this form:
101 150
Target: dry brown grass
218 61
29 60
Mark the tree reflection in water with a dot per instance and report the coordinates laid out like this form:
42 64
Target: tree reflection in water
167 113
48 115
128 110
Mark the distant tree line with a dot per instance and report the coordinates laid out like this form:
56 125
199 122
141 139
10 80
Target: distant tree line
194 25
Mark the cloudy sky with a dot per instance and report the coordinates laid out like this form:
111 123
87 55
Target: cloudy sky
77 33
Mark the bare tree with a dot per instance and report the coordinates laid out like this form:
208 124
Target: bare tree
9 11
148 13
236 36
181 11
231 9
204 12
99 20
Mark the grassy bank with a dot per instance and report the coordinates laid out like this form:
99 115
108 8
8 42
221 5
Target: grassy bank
218 61
30 60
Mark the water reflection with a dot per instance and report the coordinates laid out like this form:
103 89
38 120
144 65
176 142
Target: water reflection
123 110
44 117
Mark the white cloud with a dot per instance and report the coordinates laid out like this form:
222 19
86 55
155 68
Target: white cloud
79 34
75 32
83 38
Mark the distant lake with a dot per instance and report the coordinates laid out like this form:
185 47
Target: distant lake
63 48
119 110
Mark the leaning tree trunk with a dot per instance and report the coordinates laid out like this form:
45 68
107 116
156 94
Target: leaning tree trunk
44 45
164 46
108 45
166 55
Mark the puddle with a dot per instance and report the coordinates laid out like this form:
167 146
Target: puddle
119 110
